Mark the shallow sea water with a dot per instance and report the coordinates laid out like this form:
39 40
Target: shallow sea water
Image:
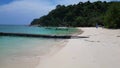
25 52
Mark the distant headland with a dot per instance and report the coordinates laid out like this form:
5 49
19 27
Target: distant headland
85 14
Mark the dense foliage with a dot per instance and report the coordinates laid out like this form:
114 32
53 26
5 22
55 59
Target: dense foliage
112 17
82 14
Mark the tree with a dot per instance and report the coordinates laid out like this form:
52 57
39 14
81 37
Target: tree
85 14
80 21
112 18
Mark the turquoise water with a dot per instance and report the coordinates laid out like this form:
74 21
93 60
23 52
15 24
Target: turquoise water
35 30
24 52
18 52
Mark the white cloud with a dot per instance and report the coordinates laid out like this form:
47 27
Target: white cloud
23 11
67 2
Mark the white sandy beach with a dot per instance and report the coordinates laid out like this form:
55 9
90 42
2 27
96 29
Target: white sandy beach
100 50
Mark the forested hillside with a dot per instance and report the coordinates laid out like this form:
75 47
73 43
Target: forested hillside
85 14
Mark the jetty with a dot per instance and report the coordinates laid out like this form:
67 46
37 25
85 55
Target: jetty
41 35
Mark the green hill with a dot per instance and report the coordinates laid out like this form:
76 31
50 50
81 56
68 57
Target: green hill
85 14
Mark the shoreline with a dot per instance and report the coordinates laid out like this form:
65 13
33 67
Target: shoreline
58 47
100 50
55 49
30 57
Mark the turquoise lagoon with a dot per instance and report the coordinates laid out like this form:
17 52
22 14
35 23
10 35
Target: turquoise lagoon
25 52
36 30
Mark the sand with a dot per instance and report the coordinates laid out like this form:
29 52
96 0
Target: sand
100 50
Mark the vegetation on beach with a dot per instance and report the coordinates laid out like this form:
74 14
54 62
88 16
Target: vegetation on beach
112 18
85 14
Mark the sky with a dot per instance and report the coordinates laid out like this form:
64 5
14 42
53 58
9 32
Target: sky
22 12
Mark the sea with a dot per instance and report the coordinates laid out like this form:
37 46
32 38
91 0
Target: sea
26 52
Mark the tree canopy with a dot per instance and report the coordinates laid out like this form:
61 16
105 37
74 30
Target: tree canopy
112 18
85 14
